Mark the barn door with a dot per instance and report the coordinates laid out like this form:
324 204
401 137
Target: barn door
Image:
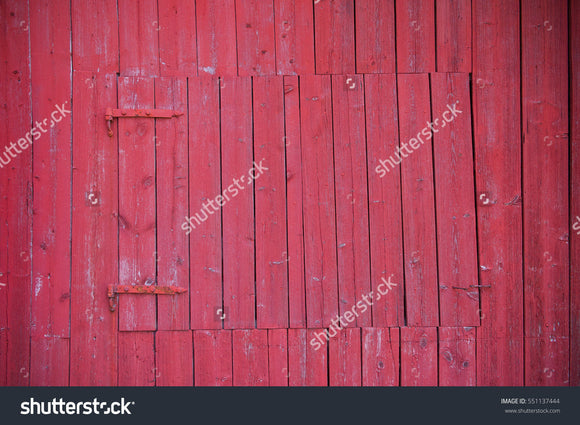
153 288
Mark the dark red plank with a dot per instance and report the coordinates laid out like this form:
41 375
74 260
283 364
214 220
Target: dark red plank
385 220
344 358
205 236
174 358
375 36
415 36
380 357
255 37
456 357
334 37
171 151
307 365
294 21
418 357
270 202
318 194
216 37
136 359
546 250
250 357
350 176
453 35
177 38
212 353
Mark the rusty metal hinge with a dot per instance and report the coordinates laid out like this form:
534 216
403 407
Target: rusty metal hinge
111 113
114 290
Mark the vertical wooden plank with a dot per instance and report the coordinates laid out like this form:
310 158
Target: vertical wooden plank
238 212
17 166
455 201
212 353
250 357
138 38
319 206
172 254
137 261
49 361
574 25
4 76
136 360
545 148
93 327
295 222
270 199
375 36
334 37
418 200
278 372
95 35
497 145
307 365
456 357
216 37
294 26
344 358
205 237
350 176
415 36
380 357
255 37
177 38
174 358
453 35
95 233
385 220
418 357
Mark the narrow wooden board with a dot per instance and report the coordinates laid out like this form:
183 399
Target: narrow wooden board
307 366
238 211
417 187
546 203
216 37
270 202
17 89
380 357
138 38
344 358
171 163
93 344
375 36
173 358
95 35
415 36
177 38
351 186
4 275
250 357
52 157
137 247
294 27
457 365
334 37
49 361
205 240
453 23
385 216
418 356
136 359
455 201
212 353
255 37
294 204
278 372
319 204
497 148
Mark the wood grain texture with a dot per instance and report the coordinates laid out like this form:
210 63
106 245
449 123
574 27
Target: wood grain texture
344 358
453 23
307 366
255 37
294 25
380 356
177 38
173 358
375 36
212 351
419 356
415 36
278 372
136 359
250 357
457 365
334 37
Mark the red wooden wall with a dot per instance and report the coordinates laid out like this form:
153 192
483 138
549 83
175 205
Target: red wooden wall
475 229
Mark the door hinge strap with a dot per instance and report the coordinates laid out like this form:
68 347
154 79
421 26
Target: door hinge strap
111 113
114 290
